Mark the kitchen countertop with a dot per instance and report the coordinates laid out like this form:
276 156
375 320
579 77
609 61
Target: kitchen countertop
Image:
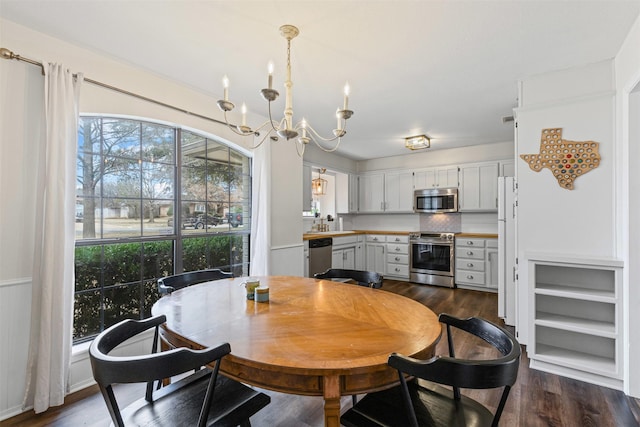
478 235
316 235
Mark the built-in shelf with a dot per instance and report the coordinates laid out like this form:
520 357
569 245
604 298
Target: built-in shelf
576 359
576 324
572 291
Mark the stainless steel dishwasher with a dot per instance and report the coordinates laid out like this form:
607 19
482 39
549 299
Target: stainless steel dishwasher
320 255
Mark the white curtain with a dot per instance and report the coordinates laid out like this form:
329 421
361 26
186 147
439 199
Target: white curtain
261 212
53 266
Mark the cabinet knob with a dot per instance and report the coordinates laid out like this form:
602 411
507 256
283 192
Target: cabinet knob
469 276
469 264
397 239
397 270
397 249
469 253
397 258
469 242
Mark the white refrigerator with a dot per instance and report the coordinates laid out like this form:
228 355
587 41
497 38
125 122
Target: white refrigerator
507 249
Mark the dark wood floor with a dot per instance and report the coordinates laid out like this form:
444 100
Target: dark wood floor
537 399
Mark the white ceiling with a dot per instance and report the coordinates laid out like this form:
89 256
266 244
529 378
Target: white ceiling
445 68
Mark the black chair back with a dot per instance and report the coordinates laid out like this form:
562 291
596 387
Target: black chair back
424 403
190 400
168 284
370 279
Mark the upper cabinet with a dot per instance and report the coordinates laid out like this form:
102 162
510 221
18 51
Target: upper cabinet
507 168
353 193
390 192
478 191
398 191
438 177
371 193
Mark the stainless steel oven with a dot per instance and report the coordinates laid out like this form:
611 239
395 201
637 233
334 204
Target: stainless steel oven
431 259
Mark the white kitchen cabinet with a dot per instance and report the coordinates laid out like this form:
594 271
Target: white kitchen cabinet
306 258
344 250
437 177
397 259
491 263
375 253
398 191
360 252
353 193
575 311
307 196
470 262
507 168
371 193
478 191
344 258
477 263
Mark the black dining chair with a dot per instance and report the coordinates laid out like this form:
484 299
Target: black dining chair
168 284
370 279
422 401
203 398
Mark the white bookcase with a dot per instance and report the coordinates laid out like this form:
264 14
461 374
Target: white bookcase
576 325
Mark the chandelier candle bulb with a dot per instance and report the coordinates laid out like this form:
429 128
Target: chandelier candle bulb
346 96
339 120
244 114
270 70
225 85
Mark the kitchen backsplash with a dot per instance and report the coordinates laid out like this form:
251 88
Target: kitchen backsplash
446 223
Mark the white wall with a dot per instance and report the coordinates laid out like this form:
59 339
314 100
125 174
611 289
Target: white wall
20 123
551 219
627 76
451 156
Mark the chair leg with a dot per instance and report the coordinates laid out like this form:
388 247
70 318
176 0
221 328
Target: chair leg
354 399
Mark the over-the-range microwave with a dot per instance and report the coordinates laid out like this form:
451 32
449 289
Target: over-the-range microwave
435 200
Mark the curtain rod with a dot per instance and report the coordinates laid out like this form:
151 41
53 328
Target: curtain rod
8 54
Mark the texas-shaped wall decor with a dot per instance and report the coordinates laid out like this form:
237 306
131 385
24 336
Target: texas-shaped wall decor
567 160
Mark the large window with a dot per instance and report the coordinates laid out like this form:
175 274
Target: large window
133 226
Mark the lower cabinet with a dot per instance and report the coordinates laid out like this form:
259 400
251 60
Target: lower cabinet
477 263
397 257
388 255
375 253
344 258
347 252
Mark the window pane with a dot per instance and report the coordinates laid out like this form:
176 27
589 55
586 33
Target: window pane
194 181
121 218
87 314
157 181
121 138
122 302
162 221
158 143
89 138
121 178
122 263
157 259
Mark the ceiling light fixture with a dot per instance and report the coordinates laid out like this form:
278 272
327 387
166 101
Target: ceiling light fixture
319 184
285 128
417 142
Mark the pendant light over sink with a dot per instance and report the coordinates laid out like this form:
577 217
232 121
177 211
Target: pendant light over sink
319 184
301 132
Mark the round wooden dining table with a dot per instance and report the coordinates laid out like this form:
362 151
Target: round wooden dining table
313 337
